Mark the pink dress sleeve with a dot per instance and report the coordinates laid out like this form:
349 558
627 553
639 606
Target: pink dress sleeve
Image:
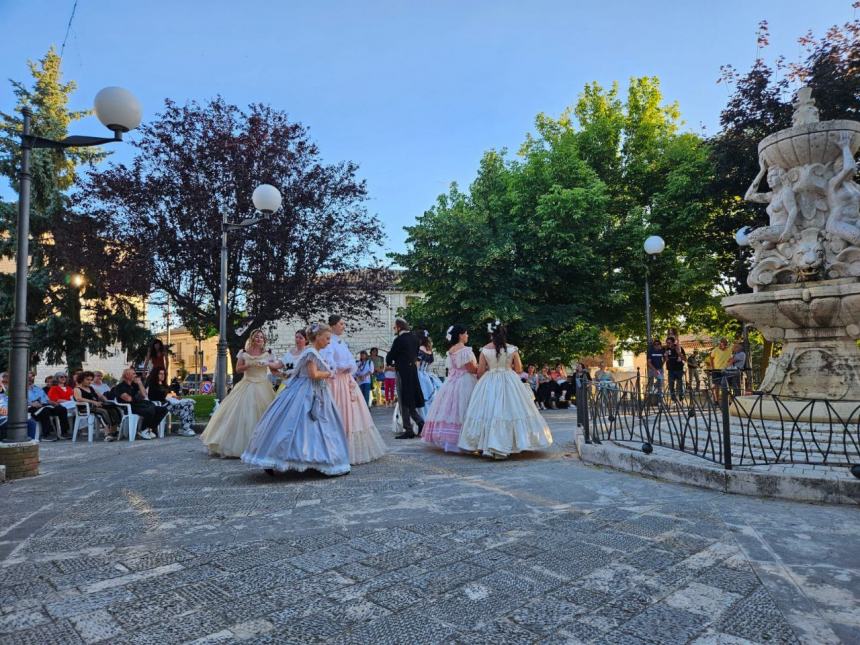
464 357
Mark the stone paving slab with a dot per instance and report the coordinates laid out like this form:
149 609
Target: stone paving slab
154 542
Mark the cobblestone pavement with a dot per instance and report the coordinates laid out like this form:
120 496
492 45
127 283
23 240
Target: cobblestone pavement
155 542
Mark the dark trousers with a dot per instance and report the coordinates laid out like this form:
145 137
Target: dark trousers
547 392
150 415
43 415
676 384
365 391
408 413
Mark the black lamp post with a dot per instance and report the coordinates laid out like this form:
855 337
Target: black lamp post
120 112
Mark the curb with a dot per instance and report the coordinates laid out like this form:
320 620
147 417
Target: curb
738 482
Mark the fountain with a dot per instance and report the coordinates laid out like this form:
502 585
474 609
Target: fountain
805 272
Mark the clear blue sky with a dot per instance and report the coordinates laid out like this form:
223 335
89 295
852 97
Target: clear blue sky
413 91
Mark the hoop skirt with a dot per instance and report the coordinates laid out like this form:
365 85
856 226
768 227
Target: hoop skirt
444 419
501 418
365 444
302 429
229 430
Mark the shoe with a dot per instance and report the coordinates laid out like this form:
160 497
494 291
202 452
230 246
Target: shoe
147 435
420 430
110 437
405 435
187 432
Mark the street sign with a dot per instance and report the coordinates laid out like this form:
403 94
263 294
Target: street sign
204 369
206 387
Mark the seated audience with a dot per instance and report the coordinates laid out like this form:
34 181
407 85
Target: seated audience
130 390
109 414
183 409
43 410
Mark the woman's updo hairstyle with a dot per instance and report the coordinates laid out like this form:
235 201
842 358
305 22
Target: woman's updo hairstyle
316 329
453 334
334 319
499 336
424 339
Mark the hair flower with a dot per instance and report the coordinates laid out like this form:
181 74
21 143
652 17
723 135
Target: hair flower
448 333
493 326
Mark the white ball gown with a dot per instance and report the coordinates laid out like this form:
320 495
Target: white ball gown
229 430
501 418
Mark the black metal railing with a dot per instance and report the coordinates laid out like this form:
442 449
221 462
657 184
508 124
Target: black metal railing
716 424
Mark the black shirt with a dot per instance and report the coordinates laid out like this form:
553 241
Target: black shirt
655 358
674 362
157 392
124 388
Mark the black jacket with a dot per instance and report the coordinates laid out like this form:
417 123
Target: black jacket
403 355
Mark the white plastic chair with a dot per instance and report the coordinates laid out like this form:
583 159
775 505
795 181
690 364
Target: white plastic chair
162 427
129 420
87 419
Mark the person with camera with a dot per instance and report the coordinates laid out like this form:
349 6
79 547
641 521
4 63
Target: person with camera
130 390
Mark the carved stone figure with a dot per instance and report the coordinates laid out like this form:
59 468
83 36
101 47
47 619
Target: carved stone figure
843 195
781 206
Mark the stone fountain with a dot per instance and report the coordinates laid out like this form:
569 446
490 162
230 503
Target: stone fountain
806 266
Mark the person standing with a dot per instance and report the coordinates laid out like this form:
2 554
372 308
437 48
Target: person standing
378 376
363 375
656 361
229 430
675 361
286 365
428 381
156 358
402 356
736 365
444 419
718 361
302 429
501 419
363 438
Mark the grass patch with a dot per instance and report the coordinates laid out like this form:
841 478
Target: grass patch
203 405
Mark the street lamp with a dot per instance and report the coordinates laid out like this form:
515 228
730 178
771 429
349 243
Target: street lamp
654 245
267 200
120 112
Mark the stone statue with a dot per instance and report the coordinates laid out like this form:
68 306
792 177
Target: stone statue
781 206
843 195
805 271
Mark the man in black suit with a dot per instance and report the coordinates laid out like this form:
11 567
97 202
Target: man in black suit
403 356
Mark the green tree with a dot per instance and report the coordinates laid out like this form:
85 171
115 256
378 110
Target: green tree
71 317
551 243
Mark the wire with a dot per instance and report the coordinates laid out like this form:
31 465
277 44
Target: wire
68 28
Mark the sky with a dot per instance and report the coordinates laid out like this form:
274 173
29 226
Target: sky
414 92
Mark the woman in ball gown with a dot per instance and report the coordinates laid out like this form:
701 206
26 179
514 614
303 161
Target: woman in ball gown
428 381
444 419
501 418
286 366
229 430
302 430
363 438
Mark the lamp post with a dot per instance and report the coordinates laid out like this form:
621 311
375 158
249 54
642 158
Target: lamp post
120 112
267 200
654 245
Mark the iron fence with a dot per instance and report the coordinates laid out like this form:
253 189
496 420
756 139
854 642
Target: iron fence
716 424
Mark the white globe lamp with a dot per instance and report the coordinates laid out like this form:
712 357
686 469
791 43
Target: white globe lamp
118 109
654 245
742 236
266 198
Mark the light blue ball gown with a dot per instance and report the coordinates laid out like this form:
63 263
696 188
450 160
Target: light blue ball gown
301 430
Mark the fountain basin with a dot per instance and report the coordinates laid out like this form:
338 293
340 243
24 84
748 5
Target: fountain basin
807 144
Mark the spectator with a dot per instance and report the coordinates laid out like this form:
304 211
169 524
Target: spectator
50 381
675 360
718 360
363 373
99 406
656 359
378 376
693 371
4 382
532 379
156 357
603 377
130 390
565 390
42 410
61 392
736 365
176 386
98 385
183 409
546 389
390 383
4 418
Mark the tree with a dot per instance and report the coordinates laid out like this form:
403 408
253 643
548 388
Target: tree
71 318
552 243
196 164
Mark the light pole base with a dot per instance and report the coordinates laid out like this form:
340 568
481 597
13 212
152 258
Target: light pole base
19 459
